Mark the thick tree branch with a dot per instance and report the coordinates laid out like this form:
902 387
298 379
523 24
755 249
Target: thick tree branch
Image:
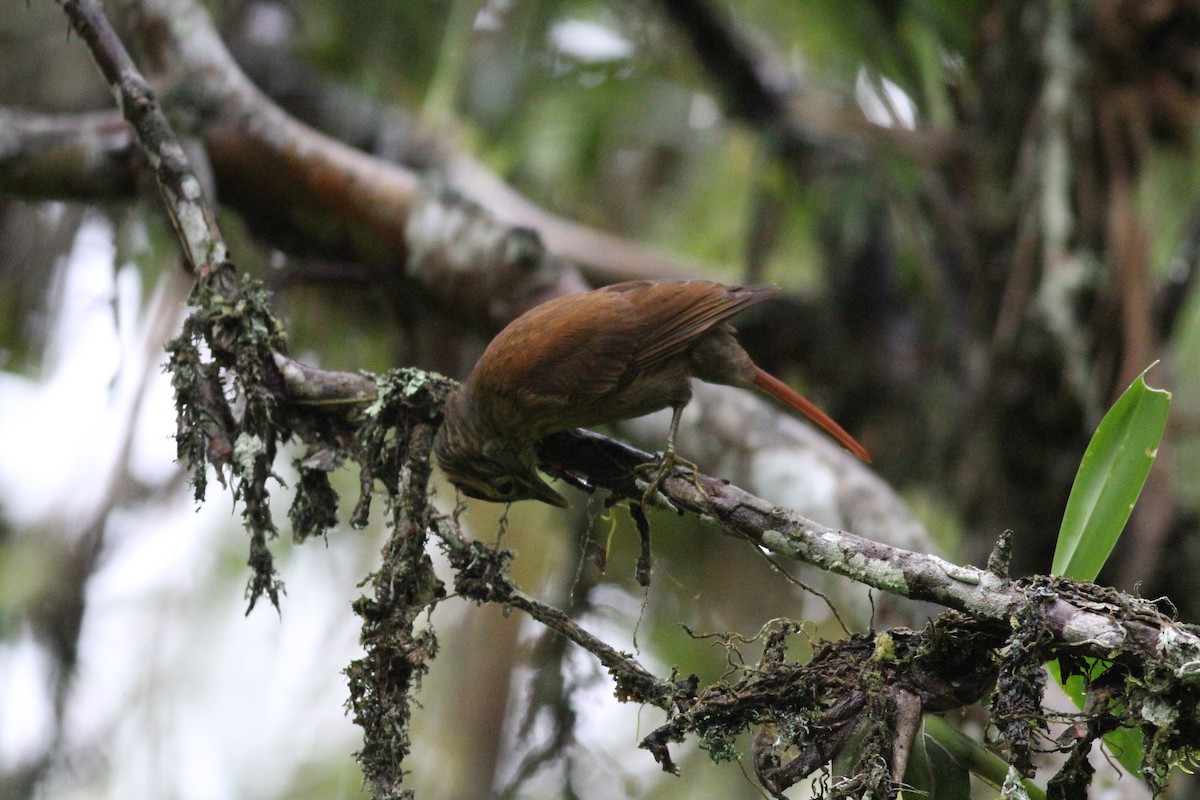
284 175
391 133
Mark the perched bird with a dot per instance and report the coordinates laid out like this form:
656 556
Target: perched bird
585 359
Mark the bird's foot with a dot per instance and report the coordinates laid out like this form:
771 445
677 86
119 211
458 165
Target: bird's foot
661 471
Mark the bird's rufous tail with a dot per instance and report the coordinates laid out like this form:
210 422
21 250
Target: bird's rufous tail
790 397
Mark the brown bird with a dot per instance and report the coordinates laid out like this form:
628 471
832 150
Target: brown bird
585 359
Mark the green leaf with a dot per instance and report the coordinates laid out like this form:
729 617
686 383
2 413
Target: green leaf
945 745
1110 478
934 772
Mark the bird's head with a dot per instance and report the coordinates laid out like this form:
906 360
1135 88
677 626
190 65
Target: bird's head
501 482
486 465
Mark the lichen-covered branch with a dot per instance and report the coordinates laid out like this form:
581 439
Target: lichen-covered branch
182 193
398 437
481 575
1098 621
233 323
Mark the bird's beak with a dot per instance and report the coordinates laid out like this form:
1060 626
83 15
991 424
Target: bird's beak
540 490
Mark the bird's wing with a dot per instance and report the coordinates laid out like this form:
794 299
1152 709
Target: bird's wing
671 315
584 346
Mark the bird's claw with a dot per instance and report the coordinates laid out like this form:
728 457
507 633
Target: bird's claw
662 470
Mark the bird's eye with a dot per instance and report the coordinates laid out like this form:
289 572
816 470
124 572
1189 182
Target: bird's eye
505 487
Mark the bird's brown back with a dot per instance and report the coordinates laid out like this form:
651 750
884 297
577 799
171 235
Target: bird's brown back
585 347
